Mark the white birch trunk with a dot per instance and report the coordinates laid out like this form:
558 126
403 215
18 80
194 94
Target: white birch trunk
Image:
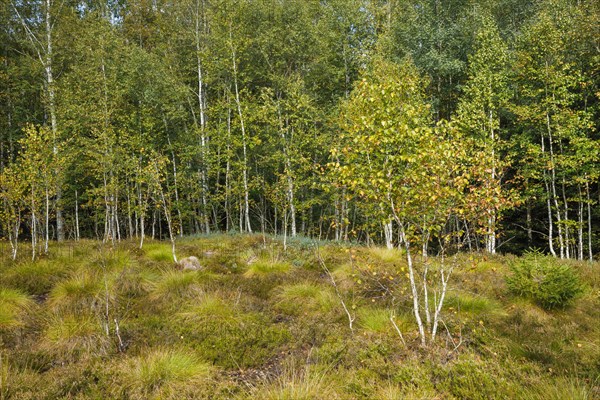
244 144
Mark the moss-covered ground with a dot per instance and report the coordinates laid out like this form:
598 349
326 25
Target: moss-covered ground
89 321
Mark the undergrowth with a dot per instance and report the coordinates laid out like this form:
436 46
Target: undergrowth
89 321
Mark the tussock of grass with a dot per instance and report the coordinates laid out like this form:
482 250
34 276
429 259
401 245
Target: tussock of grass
387 255
345 276
35 277
74 336
560 389
296 384
108 260
377 320
263 268
157 251
392 391
134 282
470 377
80 292
227 336
14 304
173 286
305 297
209 308
374 319
472 304
164 373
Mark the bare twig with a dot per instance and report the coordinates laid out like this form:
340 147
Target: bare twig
351 317
117 332
397 329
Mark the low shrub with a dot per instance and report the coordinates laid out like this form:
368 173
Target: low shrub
544 279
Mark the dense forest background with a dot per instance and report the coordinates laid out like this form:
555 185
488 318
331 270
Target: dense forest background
465 123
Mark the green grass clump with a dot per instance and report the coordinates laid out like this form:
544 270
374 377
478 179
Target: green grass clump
471 378
35 277
111 260
544 280
157 251
14 304
472 304
296 384
264 267
374 320
228 336
209 308
70 337
165 373
306 297
387 255
80 292
392 391
173 286
570 388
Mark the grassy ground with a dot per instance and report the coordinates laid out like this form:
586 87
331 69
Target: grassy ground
91 322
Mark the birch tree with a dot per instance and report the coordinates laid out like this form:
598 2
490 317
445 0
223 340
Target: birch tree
393 157
485 96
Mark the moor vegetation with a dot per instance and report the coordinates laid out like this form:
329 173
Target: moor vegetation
91 321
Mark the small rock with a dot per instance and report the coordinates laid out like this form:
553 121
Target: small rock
190 263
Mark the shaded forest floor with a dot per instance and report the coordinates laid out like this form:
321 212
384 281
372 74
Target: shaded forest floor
91 322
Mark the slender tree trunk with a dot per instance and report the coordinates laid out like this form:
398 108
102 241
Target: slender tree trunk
33 226
77 237
107 216
142 205
553 187
203 138
426 296
529 223
567 236
13 234
589 215
175 188
288 168
117 225
439 303
60 232
580 226
129 214
244 140
337 218
468 233
491 229
388 232
413 287
228 218
549 205
47 228
167 212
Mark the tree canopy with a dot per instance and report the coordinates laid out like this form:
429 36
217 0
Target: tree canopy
470 123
